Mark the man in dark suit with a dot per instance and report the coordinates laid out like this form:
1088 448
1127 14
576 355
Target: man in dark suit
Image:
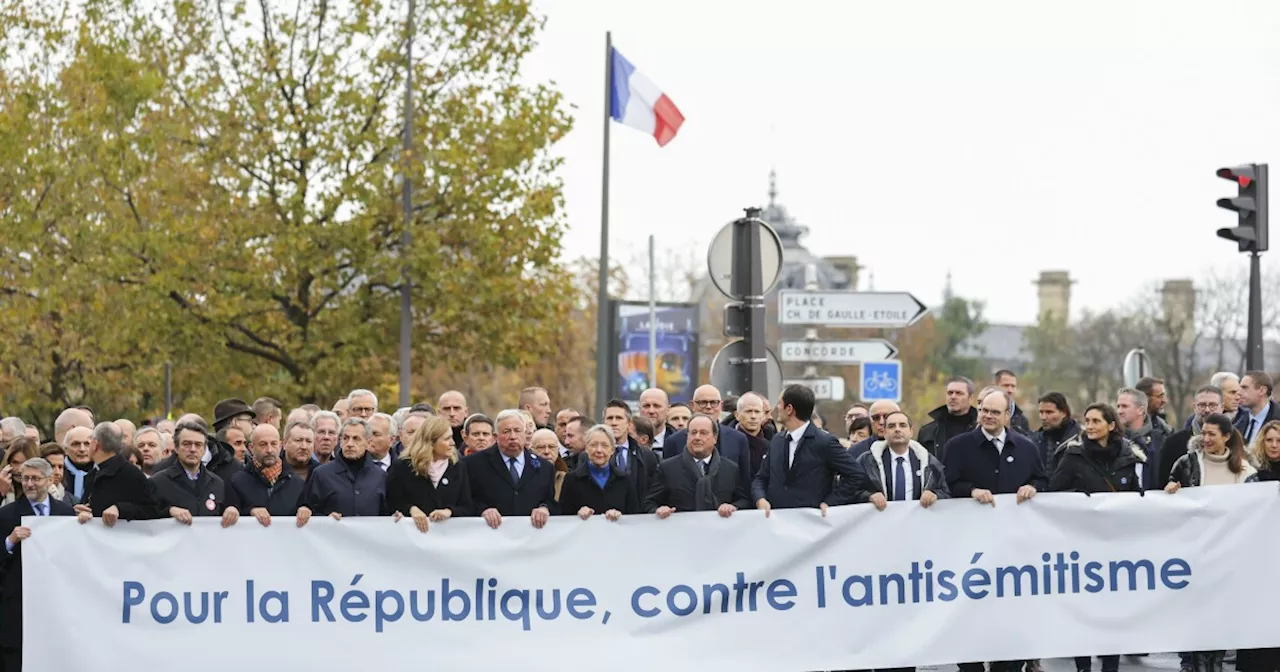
507 480
730 443
37 477
188 489
1256 406
803 461
991 460
700 478
119 491
630 456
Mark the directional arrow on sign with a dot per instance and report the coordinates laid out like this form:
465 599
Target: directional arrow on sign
890 310
837 352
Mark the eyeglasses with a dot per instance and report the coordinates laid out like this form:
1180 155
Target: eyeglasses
880 416
31 479
988 411
1208 406
706 403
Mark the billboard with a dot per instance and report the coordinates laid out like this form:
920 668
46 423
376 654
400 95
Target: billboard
677 349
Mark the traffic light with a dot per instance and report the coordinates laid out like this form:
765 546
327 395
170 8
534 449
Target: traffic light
1250 204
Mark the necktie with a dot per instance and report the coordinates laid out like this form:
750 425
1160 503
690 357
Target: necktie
622 457
384 465
515 475
40 509
705 468
900 482
791 450
1249 437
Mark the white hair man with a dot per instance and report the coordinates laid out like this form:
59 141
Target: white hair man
509 480
362 404
12 428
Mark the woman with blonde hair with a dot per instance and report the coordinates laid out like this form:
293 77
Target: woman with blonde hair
1265 451
428 483
20 450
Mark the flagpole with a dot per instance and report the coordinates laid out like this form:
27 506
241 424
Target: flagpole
602 293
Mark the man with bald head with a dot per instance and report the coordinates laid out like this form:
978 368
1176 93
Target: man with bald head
731 443
654 405
72 417
453 406
127 428
264 487
754 424
879 412
77 474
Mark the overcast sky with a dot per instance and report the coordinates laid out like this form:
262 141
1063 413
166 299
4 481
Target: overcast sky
990 139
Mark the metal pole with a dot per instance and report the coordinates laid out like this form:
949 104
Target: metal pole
1254 344
602 292
168 389
746 283
653 318
406 237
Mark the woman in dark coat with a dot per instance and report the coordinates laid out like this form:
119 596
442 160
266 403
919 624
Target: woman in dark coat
1099 459
427 483
1266 451
596 485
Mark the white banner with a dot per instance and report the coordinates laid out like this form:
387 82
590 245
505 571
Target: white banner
1059 576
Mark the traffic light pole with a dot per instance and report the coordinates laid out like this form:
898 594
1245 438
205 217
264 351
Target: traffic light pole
1254 345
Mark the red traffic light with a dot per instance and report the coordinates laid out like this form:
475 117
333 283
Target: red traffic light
1242 175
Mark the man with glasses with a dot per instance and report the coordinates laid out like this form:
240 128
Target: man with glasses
1208 401
992 460
731 443
361 404
880 411
37 477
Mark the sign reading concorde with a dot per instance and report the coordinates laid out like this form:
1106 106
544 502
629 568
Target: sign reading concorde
889 310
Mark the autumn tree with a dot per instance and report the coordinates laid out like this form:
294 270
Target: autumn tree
229 174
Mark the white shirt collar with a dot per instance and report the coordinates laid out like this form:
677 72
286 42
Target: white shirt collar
1000 438
798 432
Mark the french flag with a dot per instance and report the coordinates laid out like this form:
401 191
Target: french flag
637 102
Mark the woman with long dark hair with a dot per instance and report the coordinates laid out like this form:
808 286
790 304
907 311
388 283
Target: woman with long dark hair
1099 459
1218 458
19 451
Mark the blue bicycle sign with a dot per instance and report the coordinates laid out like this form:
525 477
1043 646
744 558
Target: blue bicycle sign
881 381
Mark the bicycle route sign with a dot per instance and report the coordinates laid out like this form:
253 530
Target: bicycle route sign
881 381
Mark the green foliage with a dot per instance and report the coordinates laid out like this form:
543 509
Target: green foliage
217 184
958 321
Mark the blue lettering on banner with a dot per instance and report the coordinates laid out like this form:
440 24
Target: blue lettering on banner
922 582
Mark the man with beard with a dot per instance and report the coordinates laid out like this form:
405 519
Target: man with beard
350 484
264 487
1056 427
188 488
1208 401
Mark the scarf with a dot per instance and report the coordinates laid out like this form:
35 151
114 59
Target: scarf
78 488
436 470
354 465
600 474
271 473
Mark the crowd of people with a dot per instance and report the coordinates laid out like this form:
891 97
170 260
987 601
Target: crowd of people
428 464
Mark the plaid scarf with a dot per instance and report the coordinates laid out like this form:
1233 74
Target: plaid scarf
271 473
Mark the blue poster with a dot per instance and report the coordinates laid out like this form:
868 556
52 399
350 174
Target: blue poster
677 350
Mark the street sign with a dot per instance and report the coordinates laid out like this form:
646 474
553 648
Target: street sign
1137 365
881 381
890 310
720 258
830 388
837 352
722 374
